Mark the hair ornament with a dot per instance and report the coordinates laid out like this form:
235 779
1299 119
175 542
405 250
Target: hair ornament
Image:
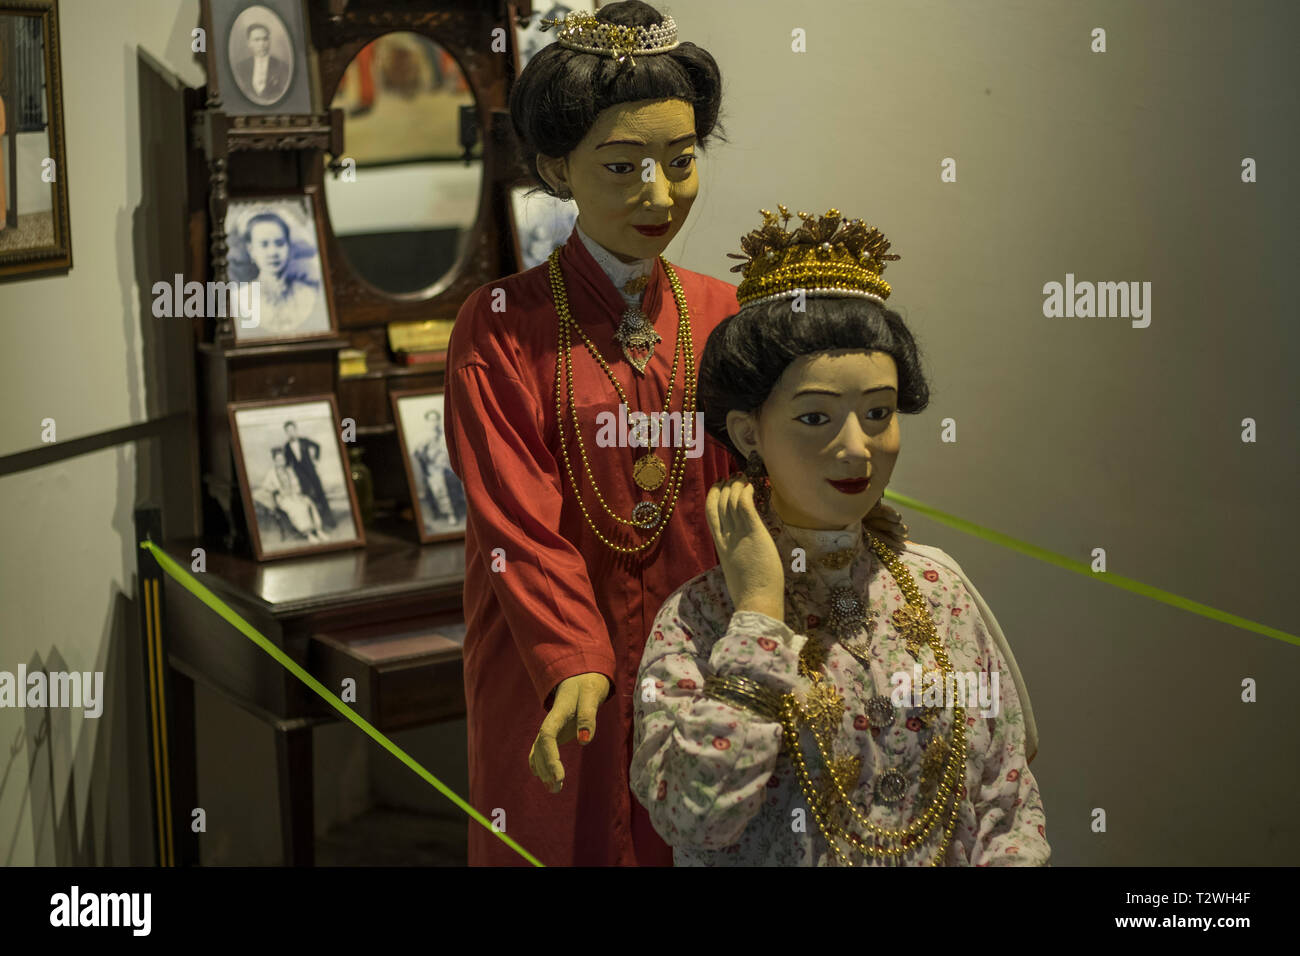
824 256
582 31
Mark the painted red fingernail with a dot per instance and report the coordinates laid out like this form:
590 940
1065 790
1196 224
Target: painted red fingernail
584 735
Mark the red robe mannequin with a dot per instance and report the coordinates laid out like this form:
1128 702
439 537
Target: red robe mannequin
564 604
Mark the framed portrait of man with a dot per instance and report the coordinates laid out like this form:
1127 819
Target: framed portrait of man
257 56
297 490
437 495
276 243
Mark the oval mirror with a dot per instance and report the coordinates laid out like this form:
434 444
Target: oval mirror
406 198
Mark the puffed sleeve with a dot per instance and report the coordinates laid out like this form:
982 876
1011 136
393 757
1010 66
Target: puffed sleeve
1011 826
514 495
700 766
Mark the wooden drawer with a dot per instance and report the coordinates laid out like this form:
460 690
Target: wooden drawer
407 673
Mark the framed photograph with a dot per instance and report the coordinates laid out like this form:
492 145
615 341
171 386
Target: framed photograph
437 496
35 238
257 56
529 36
297 490
277 241
538 222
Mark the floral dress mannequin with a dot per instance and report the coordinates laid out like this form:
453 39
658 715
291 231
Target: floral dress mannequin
823 697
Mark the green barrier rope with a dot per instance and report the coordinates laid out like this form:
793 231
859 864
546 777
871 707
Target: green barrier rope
1051 557
211 600
978 531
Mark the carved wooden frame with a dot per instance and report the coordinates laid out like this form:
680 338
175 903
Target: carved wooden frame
339 29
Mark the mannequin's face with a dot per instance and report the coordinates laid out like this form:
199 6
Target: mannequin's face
611 181
831 416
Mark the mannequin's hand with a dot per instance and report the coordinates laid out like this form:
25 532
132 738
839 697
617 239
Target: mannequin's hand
572 715
888 524
750 561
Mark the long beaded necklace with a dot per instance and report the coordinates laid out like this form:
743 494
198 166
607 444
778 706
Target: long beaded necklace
821 711
648 469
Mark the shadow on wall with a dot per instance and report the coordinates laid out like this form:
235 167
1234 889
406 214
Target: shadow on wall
84 803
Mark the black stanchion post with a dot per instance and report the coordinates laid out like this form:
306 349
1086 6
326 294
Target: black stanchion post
149 588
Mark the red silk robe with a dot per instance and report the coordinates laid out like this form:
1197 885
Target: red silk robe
565 604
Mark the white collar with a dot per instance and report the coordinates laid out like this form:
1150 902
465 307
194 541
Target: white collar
618 271
818 543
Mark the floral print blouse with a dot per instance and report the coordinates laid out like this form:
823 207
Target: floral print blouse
715 777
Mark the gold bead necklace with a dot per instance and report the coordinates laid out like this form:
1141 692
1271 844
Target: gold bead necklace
646 515
831 800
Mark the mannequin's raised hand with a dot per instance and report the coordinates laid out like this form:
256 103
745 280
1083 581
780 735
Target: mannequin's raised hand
573 714
746 551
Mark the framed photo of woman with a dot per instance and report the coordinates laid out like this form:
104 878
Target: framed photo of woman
277 242
539 222
437 496
297 490
257 56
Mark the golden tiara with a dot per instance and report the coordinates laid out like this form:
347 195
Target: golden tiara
582 31
825 256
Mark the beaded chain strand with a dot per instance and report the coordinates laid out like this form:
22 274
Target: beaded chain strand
564 373
945 800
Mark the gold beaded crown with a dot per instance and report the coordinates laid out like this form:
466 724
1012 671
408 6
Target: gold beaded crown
582 31
825 256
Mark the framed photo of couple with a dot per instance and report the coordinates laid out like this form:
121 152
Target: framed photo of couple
437 495
293 476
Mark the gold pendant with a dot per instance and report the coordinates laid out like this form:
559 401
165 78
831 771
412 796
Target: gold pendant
638 339
823 708
649 472
915 625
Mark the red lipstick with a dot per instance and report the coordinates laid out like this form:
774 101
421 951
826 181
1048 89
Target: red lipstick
853 486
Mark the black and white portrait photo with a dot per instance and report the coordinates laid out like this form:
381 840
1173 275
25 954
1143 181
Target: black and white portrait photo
297 493
437 496
531 38
541 222
259 52
276 242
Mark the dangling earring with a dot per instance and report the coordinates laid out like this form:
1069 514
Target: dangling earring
756 475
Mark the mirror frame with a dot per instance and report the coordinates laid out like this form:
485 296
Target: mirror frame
57 258
340 29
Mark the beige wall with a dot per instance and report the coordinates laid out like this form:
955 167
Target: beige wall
1073 434
74 342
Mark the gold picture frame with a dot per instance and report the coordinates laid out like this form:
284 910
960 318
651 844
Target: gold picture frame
35 234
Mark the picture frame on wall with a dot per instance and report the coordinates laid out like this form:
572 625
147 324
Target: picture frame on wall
278 242
257 57
294 477
35 235
437 495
